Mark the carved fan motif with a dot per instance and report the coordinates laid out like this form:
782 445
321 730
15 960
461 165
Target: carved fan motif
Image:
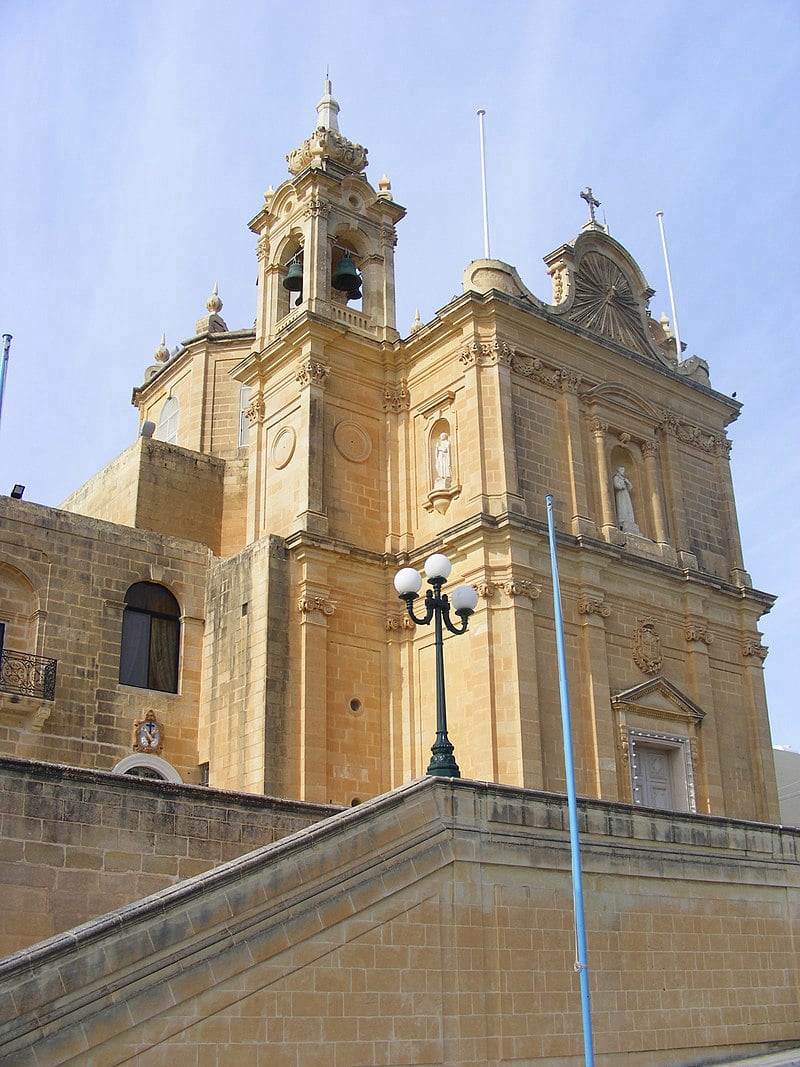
605 303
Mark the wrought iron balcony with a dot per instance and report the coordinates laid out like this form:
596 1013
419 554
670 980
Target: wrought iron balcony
32 676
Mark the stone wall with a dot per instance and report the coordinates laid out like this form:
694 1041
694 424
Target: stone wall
76 844
159 487
79 570
434 925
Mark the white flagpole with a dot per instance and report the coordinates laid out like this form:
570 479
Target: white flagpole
678 346
486 252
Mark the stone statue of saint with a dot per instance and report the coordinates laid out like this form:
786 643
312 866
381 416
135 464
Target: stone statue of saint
622 498
443 468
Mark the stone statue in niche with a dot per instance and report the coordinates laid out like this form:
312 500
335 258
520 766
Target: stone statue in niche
622 498
444 472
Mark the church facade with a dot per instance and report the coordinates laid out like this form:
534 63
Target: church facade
203 650
233 570
308 458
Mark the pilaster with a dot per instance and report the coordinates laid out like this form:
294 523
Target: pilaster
510 745
314 609
598 727
674 482
699 638
582 522
311 375
487 366
765 789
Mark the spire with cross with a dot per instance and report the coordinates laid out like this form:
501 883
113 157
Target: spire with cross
592 201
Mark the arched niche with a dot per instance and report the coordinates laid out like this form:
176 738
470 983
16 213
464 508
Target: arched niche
19 610
627 488
290 251
441 455
347 241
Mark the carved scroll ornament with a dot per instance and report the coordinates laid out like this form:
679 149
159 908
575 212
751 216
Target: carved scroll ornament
308 604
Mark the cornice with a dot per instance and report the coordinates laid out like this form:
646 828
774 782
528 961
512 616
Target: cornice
458 309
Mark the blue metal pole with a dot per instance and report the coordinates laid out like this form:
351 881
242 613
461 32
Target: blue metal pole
581 964
3 366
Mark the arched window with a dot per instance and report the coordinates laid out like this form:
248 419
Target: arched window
151 631
143 765
167 430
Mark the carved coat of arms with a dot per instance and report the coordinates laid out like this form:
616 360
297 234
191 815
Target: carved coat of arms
647 647
148 735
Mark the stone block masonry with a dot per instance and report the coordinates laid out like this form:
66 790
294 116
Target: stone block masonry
75 844
434 925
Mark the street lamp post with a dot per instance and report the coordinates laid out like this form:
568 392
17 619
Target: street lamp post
463 600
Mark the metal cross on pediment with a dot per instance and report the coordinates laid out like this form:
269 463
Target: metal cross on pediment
591 200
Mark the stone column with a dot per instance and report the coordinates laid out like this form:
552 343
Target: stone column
607 509
388 317
650 454
263 295
582 522
316 254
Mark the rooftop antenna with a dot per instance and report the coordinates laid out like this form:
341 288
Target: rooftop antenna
678 345
4 367
486 253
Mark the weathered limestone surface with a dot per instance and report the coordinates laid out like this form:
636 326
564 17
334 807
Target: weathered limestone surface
434 925
76 843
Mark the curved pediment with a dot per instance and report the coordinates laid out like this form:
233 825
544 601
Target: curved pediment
598 285
618 396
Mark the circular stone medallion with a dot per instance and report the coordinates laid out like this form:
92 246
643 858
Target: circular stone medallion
352 441
283 447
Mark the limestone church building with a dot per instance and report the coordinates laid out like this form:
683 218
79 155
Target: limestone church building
216 713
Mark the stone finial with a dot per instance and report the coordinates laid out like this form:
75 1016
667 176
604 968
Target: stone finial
214 304
385 188
326 143
269 192
213 321
417 324
328 110
665 326
161 354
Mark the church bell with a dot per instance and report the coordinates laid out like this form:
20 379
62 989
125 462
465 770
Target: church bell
346 278
294 277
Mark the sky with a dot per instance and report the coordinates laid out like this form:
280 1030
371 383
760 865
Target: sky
138 139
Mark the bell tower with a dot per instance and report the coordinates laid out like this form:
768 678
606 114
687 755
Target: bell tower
326 238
